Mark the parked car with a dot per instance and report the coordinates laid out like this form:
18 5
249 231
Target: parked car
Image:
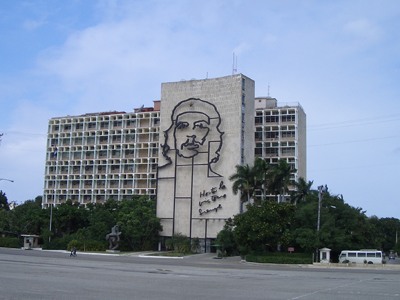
392 255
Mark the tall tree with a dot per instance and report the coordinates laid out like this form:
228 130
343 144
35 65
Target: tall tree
28 218
279 178
138 223
263 227
261 169
244 181
249 179
3 201
302 190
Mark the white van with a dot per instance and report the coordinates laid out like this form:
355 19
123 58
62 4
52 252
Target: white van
363 256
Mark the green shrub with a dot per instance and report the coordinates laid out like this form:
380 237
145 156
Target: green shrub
92 245
179 243
60 243
280 258
73 243
10 242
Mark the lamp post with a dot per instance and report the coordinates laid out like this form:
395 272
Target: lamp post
321 189
6 179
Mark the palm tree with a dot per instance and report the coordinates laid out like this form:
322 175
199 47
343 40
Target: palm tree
248 179
243 181
261 169
279 178
302 190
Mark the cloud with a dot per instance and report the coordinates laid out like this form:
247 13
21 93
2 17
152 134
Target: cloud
363 30
32 25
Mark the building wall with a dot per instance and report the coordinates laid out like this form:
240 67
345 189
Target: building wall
96 157
194 195
281 133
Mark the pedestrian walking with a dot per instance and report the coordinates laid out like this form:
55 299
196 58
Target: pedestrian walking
73 251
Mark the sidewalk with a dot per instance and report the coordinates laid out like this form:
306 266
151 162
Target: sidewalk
208 257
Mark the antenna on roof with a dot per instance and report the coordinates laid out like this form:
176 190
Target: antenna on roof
234 64
268 89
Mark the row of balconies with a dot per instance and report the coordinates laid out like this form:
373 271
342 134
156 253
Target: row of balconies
103 154
134 146
92 127
289 119
92 134
99 188
96 197
268 137
98 176
104 117
271 152
103 162
104 140
277 111
68 124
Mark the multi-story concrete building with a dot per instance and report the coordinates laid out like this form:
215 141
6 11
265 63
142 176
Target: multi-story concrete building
208 128
99 156
280 133
95 157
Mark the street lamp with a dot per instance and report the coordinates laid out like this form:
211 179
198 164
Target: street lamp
6 179
321 189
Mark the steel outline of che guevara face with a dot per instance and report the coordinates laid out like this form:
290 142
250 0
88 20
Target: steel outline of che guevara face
208 120
190 133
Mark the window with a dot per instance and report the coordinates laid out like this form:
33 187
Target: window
271 135
288 118
117 123
271 119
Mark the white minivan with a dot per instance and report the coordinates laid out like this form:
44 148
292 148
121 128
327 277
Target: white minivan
363 256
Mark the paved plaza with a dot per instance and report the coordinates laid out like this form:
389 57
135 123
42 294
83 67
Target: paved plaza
56 275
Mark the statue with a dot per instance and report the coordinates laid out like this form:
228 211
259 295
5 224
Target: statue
113 238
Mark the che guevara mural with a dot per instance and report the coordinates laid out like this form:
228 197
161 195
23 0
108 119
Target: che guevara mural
192 149
199 148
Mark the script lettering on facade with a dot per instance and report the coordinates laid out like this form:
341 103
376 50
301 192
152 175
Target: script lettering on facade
211 195
201 212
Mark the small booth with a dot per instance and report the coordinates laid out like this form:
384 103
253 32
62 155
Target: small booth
30 241
325 255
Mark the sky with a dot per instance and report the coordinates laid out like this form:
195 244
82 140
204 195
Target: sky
339 59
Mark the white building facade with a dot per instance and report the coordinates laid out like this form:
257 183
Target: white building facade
182 151
99 156
207 128
280 133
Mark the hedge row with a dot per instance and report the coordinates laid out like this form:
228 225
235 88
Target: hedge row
10 242
280 258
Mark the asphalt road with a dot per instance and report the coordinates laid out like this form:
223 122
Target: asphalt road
52 275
